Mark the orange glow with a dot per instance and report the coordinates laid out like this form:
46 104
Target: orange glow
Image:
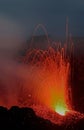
50 75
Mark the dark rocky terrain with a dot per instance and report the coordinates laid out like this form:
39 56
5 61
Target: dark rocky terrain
25 118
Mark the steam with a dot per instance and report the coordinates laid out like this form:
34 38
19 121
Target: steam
11 39
15 78
11 36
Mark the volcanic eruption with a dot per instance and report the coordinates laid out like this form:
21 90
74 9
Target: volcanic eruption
42 81
50 75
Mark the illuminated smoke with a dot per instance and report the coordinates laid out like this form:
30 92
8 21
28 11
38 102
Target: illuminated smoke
50 79
43 79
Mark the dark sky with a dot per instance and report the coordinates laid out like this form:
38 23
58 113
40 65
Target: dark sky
52 13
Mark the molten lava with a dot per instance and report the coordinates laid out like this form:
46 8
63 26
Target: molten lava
50 75
61 109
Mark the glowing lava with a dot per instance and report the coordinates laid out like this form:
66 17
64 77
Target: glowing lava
50 76
61 109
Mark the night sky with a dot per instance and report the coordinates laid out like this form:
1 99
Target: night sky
26 14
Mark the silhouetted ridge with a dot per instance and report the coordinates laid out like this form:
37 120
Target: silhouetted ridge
24 118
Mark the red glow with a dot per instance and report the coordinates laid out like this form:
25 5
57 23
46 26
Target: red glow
51 78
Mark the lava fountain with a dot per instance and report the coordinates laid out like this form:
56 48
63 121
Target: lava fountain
51 78
50 75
